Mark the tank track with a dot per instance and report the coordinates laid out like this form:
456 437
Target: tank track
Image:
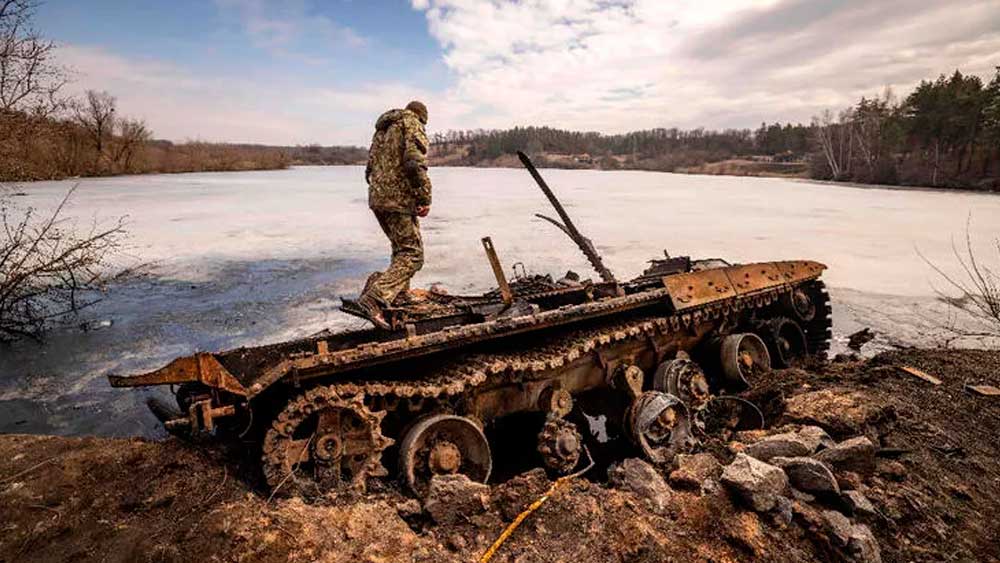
458 376
819 329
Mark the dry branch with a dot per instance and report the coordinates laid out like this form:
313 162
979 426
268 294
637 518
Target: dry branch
978 288
49 269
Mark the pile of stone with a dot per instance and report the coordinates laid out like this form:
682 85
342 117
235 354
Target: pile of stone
794 474
802 473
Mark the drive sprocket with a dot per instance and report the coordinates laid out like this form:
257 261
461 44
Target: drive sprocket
560 445
323 442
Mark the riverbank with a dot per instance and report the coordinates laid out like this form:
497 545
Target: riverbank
934 484
736 167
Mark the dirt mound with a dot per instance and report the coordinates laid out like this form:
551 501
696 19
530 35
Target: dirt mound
933 491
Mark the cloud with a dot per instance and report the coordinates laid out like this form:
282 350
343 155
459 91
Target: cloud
287 27
619 65
604 65
179 104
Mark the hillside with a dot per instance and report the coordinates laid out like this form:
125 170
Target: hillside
933 488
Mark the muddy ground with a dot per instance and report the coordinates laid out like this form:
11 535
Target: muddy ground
935 491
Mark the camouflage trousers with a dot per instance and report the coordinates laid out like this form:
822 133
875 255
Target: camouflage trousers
403 231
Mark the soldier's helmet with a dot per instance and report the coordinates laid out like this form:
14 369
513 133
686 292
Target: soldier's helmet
418 108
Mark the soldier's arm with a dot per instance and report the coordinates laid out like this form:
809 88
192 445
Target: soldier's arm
415 163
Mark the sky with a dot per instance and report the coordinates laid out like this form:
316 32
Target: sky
321 71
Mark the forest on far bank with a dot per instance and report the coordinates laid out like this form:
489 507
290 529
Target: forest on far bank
945 133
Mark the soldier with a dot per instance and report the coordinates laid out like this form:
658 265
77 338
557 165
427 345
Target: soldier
399 191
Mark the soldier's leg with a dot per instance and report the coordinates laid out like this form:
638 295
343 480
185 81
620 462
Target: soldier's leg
407 255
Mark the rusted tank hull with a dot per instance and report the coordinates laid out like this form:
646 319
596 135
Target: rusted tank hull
256 369
332 411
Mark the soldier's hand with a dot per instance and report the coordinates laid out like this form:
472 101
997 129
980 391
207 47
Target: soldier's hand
423 210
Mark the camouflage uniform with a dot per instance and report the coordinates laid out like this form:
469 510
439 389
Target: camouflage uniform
397 185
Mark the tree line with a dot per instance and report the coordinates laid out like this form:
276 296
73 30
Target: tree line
47 135
946 133
663 149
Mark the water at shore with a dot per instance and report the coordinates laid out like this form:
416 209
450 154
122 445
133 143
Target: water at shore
247 258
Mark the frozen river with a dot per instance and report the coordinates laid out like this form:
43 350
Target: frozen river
247 258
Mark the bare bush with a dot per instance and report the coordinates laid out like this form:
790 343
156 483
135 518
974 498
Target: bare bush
49 269
978 288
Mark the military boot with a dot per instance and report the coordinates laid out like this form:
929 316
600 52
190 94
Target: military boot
373 311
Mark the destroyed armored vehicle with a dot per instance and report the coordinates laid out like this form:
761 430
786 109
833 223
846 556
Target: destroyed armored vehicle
332 411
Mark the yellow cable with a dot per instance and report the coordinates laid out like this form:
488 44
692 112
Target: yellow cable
527 512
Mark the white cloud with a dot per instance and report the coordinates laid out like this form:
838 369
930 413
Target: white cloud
178 104
620 65
605 65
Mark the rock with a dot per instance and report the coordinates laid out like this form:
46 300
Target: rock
782 512
759 484
840 412
856 455
453 498
856 539
849 480
892 470
860 338
693 471
862 545
837 526
518 493
779 445
797 443
409 507
858 503
801 496
643 479
816 438
751 436
808 474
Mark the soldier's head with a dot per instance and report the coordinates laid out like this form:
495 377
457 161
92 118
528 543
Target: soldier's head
418 108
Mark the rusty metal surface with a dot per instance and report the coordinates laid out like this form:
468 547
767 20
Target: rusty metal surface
491 254
201 367
707 286
395 350
799 270
323 440
680 291
754 277
698 288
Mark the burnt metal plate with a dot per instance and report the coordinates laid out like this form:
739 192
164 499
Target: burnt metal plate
754 277
698 288
798 270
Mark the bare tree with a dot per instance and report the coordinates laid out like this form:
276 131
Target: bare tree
30 79
835 141
978 288
132 136
96 114
48 270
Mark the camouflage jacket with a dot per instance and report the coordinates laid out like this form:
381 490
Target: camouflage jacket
397 164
